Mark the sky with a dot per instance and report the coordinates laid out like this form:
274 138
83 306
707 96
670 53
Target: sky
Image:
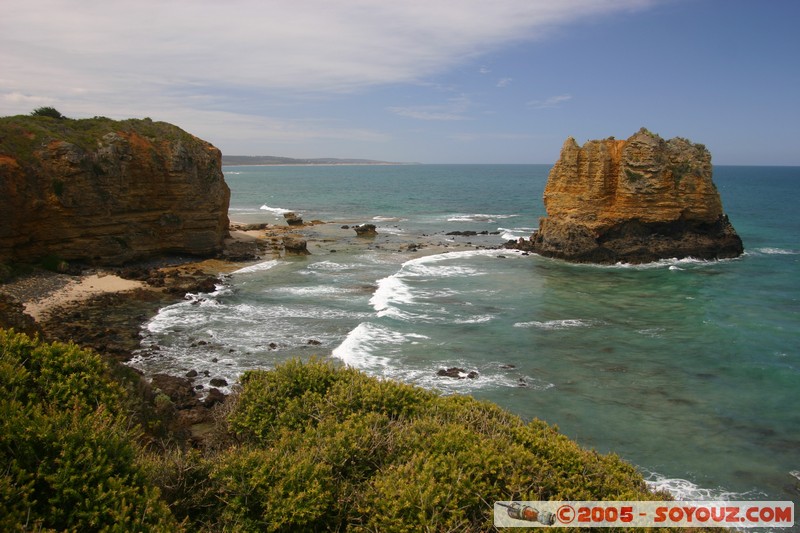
431 81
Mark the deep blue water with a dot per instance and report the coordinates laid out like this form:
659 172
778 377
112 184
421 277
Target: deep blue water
688 369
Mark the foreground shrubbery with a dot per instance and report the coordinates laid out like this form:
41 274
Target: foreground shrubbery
308 446
68 456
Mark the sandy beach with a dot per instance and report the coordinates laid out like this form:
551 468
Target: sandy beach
77 289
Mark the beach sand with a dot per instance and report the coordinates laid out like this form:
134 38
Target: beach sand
77 289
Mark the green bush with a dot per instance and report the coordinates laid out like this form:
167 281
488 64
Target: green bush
68 453
328 445
304 447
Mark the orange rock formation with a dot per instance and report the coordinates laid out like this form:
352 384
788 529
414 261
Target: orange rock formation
108 192
637 200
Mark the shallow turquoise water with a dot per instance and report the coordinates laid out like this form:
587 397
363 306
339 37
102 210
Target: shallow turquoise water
690 370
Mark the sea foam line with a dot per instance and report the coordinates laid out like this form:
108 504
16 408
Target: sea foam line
258 267
556 324
683 489
275 210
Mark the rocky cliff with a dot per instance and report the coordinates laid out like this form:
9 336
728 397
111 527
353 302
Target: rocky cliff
634 201
107 192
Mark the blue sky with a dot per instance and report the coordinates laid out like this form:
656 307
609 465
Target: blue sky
434 81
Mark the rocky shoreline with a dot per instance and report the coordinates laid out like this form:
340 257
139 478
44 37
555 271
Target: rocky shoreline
104 308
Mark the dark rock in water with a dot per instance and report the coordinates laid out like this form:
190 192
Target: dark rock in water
293 219
191 374
457 373
468 233
179 390
218 382
633 201
295 246
365 230
508 367
183 284
214 397
314 342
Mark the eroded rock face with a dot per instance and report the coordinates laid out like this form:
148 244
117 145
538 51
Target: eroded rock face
108 192
634 201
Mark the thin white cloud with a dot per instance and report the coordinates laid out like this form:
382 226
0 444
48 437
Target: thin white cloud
504 82
314 45
484 70
553 101
453 109
180 58
473 137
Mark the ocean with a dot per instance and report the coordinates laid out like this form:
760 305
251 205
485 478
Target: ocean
688 369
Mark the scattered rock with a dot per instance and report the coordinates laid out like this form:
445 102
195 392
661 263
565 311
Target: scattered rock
314 342
179 390
214 397
293 219
295 246
218 382
191 374
366 230
457 373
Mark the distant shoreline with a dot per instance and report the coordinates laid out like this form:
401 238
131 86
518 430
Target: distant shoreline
268 160
226 164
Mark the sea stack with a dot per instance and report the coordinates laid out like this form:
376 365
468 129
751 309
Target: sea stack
633 201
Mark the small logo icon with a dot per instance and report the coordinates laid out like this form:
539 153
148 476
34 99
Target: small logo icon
566 514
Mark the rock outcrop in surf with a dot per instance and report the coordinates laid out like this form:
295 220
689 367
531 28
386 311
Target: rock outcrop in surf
633 201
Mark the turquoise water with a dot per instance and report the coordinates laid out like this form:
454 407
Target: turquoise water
688 369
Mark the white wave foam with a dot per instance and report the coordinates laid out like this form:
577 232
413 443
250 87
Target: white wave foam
359 347
683 489
388 219
477 217
258 267
314 290
275 210
556 324
776 251
328 266
478 319
512 234
393 290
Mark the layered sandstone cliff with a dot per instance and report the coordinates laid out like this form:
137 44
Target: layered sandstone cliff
634 201
107 192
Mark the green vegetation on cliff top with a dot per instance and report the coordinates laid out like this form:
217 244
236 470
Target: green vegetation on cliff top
22 135
304 447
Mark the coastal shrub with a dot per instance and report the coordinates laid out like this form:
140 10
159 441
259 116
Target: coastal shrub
68 451
325 444
47 111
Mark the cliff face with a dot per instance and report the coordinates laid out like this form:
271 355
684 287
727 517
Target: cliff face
635 201
107 192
